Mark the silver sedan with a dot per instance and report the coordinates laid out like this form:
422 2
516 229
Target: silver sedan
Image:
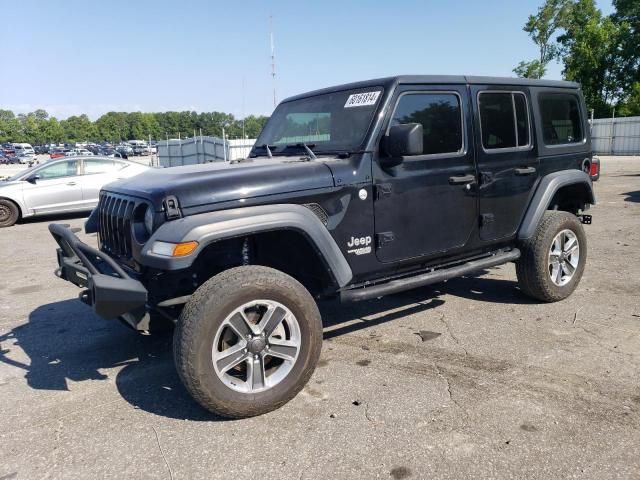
60 186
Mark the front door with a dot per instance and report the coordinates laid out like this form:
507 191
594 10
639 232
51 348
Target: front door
56 188
507 161
427 204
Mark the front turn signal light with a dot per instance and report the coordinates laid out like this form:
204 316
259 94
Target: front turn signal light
167 249
185 248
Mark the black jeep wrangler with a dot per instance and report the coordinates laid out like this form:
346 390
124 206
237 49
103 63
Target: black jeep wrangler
356 192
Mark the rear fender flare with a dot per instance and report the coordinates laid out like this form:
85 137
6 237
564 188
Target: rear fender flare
207 228
547 188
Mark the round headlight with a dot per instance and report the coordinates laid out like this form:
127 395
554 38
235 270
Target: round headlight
148 220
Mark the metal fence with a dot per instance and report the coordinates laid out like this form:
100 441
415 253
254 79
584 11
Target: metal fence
190 151
616 136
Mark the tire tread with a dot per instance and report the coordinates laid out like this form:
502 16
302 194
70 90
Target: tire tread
185 336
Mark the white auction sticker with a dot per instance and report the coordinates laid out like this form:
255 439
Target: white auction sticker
362 99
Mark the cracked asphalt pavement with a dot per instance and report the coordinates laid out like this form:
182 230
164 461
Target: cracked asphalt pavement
467 378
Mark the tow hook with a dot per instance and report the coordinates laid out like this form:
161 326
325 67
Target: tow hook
586 219
85 297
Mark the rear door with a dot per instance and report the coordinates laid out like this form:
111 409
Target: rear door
507 160
57 188
96 174
427 204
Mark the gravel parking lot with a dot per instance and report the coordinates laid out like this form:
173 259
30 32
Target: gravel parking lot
463 379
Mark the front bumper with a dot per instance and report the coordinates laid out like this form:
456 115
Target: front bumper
108 288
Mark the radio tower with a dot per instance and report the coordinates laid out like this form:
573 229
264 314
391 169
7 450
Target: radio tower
273 60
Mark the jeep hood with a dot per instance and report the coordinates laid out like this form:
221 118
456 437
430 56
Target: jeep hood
217 182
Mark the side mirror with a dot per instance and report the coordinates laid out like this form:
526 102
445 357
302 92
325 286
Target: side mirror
403 141
33 178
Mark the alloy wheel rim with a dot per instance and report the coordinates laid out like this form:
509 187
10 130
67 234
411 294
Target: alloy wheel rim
256 346
5 213
564 257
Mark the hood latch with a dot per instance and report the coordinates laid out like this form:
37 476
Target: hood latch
171 207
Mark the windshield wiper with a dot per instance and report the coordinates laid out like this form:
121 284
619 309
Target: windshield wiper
307 148
268 148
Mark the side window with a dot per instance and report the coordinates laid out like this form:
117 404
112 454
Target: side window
100 166
504 120
560 117
440 115
61 169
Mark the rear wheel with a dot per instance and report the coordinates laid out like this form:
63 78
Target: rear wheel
247 341
9 213
552 262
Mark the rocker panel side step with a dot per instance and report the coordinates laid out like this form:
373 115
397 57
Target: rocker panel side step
436 276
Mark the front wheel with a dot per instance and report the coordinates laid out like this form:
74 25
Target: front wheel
9 213
553 261
247 341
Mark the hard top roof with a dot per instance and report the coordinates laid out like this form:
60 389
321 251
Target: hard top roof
389 82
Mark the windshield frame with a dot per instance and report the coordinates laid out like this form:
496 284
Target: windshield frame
286 149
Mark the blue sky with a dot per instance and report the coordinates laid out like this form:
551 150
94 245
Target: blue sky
73 57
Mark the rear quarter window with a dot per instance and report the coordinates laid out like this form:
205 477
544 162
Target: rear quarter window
560 119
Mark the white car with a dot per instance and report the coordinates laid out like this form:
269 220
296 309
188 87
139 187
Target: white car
26 158
23 148
79 152
60 186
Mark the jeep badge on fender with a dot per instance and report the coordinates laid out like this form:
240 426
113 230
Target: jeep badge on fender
465 173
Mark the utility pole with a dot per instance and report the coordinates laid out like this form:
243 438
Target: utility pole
273 60
243 114
224 145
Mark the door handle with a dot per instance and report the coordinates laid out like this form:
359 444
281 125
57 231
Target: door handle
71 184
525 171
460 180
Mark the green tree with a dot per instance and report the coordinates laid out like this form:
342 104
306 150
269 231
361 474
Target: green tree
630 107
589 50
253 125
53 131
38 127
9 126
600 52
79 128
627 15
542 27
112 127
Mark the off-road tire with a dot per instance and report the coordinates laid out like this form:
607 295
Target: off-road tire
9 213
204 313
532 268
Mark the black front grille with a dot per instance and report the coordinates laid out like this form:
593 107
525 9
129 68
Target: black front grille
115 213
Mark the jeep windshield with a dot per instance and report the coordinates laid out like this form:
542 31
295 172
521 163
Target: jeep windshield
332 122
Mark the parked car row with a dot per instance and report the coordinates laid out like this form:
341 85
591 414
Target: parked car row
17 153
133 147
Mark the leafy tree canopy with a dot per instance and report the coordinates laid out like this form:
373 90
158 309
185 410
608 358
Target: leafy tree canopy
39 128
598 51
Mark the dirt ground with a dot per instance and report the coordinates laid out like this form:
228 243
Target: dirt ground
457 380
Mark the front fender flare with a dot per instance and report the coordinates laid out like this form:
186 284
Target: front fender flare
206 228
547 188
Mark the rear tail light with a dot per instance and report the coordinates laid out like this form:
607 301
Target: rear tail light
594 169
